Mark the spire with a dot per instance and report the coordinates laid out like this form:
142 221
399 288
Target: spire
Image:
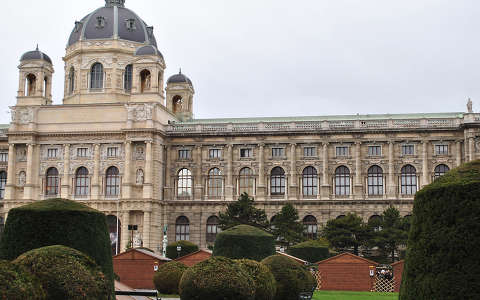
180 71
111 3
37 48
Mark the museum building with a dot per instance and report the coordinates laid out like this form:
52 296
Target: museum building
125 142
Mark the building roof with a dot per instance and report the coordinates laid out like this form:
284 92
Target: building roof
179 78
146 252
354 257
113 21
326 118
292 257
34 55
148 50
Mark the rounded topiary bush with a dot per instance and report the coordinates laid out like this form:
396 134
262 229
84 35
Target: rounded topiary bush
442 255
187 248
16 283
217 278
65 273
311 251
244 241
291 277
265 284
167 278
58 222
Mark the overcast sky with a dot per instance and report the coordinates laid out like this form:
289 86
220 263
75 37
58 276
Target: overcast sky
283 58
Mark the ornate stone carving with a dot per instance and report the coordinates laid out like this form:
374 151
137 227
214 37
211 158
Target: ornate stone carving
139 178
139 153
139 112
21 154
23 115
22 178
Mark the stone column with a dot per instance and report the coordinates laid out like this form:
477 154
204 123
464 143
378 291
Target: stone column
96 172
147 184
65 189
169 180
11 182
293 184
28 191
471 149
358 187
125 234
325 188
458 153
146 229
161 174
392 183
229 187
199 190
261 172
425 169
127 176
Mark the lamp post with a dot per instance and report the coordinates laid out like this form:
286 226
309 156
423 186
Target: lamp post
179 248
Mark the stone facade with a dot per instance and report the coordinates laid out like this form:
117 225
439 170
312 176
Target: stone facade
165 160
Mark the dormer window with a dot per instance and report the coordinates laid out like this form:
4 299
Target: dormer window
78 25
100 22
130 24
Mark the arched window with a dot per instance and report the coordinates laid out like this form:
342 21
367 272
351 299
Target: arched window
115 231
184 188
212 229
52 182
311 227
342 181
246 181
81 182
31 81
309 181
408 180
440 170
182 229
159 81
112 186
375 222
145 80
3 183
277 181
375 180
177 104
127 78
45 87
71 80
215 183
96 76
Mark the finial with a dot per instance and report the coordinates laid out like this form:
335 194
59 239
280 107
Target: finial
37 48
180 72
469 105
111 3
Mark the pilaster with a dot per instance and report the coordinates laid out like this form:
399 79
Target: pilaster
127 176
458 153
147 185
10 187
96 170
261 172
28 190
425 179
146 229
293 184
358 185
325 188
65 188
392 184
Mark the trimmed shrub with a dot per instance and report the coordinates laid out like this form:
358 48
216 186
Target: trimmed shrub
65 273
217 278
187 248
244 241
311 251
58 222
167 278
442 255
291 277
16 283
265 284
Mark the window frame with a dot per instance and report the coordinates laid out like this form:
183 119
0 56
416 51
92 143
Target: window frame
343 181
246 181
187 152
375 181
112 151
51 181
408 181
112 182
244 151
309 182
3 183
82 182
182 229
3 157
310 151
82 152
342 151
404 147
215 183
52 153
97 79
443 147
278 152
277 182
311 227
376 152
212 229
214 153
184 183
440 170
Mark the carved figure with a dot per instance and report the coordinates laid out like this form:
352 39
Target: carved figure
139 153
137 240
139 176
470 105
21 178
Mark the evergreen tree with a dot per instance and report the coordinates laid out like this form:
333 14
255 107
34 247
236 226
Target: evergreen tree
347 232
392 233
286 227
243 211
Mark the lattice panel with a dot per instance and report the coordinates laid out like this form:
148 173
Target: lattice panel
384 285
318 277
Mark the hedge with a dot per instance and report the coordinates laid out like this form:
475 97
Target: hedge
66 273
187 248
16 283
292 278
244 241
217 278
265 284
167 278
58 222
442 255
311 251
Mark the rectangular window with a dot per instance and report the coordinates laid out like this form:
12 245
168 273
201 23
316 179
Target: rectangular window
408 149
441 149
246 153
82 152
112 151
374 150
341 151
278 152
184 154
309 151
52 153
4 157
214 153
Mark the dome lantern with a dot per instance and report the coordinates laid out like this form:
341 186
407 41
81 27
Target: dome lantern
110 3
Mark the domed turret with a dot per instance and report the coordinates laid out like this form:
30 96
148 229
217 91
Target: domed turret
148 50
113 21
180 93
34 55
180 78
